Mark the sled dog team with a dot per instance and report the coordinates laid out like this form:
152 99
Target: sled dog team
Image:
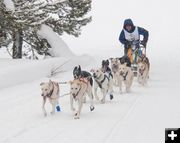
114 74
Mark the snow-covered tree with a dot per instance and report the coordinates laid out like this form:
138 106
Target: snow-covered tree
28 16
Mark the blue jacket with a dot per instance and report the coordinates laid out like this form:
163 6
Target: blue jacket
141 31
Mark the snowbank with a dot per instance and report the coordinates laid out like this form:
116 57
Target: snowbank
9 4
15 72
59 47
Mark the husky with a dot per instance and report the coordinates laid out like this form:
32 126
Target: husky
115 62
105 66
78 73
106 69
125 59
104 82
114 67
125 74
78 89
50 91
143 70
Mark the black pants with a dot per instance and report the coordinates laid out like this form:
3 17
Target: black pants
125 51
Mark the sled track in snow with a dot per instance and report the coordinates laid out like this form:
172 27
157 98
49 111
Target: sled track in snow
119 121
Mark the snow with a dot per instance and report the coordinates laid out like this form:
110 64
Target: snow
59 47
138 117
9 4
15 72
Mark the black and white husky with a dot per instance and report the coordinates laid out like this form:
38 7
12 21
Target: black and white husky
78 73
103 82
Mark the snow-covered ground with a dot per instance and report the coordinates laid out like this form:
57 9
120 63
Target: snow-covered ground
138 117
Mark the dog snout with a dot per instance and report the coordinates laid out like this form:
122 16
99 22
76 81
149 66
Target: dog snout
94 75
121 73
42 94
75 76
74 95
114 66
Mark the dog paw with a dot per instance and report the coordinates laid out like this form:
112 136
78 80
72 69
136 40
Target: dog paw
97 98
111 96
76 117
127 90
91 108
52 113
73 109
84 100
102 101
120 92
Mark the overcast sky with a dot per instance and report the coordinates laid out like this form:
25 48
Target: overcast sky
159 17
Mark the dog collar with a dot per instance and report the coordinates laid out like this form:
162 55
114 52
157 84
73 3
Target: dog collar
85 80
100 83
98 77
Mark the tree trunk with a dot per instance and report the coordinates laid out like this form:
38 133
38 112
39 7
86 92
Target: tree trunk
17 44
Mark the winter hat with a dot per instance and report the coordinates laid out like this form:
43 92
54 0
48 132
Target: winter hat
128 22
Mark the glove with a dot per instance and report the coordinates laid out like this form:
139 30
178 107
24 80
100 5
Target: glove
128 43
143 43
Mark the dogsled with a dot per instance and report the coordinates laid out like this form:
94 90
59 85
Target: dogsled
136 50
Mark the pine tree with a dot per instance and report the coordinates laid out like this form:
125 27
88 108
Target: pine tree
5 17
61 15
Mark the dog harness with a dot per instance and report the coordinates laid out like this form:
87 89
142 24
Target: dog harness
51 92
124 76
141 71
74 96
100 83
85 80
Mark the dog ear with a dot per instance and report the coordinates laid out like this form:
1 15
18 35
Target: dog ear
140 59
50 82
110 59
79 68
125 63
75 68
92 70
107 62
70 82
103 62
42 83
119 62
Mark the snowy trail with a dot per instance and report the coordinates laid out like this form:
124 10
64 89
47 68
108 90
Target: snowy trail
156 110
21 116
140 115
